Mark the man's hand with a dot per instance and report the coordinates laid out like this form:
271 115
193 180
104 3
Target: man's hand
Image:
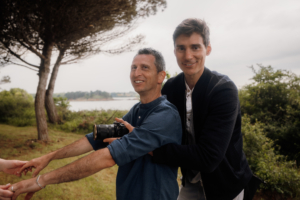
12 166
127 125
38 163
5 194
27 186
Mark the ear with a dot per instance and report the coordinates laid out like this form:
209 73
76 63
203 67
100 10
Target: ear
161 77
208 49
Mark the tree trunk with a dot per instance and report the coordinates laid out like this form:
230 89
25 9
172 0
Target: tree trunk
49 102
40 94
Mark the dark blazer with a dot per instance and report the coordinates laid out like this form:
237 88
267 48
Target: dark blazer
218 152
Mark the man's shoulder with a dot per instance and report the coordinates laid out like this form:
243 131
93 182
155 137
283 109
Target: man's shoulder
167 105
165 111
173 86
220 81
178 79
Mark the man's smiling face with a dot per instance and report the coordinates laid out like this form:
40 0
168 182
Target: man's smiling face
190 53
143 75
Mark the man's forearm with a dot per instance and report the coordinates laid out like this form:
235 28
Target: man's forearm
79 169
75 149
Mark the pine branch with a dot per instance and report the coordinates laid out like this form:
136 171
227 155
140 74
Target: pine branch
23 66
32 49
19 57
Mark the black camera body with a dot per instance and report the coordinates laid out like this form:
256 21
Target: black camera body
103 131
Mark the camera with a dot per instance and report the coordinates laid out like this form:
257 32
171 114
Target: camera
103 131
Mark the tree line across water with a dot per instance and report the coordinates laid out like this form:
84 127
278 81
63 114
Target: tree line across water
95 95
270 108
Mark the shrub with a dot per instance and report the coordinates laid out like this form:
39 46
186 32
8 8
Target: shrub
17 108
280 175
274 99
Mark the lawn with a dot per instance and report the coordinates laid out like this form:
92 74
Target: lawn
20 143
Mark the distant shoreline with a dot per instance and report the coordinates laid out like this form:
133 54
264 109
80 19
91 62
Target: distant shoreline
127 98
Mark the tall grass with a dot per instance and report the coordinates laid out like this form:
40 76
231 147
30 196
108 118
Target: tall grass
83 121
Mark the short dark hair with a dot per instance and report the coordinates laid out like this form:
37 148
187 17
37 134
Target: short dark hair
190 26
159 59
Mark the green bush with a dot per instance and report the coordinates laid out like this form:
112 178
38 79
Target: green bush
17 108
274 99
280 175
83 121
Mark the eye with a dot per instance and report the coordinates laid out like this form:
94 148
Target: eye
180 49
145 67
195 47
133 67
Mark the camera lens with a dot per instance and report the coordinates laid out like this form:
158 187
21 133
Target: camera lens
103 131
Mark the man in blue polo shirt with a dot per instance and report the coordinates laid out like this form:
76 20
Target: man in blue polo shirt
155 122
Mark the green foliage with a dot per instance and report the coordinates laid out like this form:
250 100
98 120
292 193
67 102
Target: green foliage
17 108
280 175
98 94
274 99
83 121
62 107
5 79
124 94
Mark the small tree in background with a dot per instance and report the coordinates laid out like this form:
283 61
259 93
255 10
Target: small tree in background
73 29
274 99
5 79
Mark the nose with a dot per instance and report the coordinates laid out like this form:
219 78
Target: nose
188 54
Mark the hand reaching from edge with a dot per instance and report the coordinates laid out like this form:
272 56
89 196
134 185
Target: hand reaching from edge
5 193
38 163
13 166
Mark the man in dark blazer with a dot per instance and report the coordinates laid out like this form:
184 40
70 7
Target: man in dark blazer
211 155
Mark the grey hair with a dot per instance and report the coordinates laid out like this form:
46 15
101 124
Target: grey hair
159 59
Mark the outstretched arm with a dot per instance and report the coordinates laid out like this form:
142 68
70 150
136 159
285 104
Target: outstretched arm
79 169
77 148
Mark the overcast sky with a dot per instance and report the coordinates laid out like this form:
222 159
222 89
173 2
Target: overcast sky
243 33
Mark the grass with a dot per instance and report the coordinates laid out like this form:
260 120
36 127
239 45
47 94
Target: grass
20 143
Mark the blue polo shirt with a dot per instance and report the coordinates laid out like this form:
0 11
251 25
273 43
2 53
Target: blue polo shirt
156 123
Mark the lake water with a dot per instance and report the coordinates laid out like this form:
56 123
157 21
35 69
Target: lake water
119 103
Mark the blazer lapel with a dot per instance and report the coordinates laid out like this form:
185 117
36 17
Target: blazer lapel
198 101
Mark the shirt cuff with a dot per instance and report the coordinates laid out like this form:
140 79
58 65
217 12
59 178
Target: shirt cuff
96 144
118 153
